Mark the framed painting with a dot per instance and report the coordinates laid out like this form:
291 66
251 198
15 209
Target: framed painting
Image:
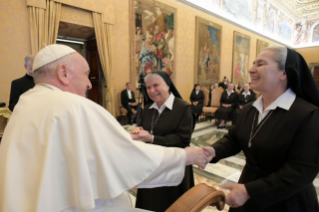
261 45
152 38
240 63
207 52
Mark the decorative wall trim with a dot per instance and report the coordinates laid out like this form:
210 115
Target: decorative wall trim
37 3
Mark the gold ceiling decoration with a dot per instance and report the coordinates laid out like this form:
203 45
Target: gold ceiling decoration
300 9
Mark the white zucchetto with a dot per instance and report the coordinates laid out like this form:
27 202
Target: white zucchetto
49 54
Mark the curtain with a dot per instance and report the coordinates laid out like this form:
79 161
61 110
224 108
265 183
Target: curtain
44 24
104 39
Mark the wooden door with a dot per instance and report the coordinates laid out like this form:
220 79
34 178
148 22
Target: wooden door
316 75
96 74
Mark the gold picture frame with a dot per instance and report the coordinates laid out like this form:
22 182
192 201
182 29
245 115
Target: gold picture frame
208 41
240 61
152 44
261 45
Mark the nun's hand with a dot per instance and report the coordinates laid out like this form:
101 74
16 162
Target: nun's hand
136 130
237 196
210 152
144 136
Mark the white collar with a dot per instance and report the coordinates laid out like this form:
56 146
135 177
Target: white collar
245 93
230 92
284 101
167 104
128 90
52 87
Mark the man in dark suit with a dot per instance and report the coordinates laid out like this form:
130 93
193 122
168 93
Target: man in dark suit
128 101
19 86
223 83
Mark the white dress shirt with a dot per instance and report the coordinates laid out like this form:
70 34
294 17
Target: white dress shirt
129 94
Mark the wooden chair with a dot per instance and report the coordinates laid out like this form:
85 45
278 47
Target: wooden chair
5 114
209 112
197 198
257 94
237 91
206 99
206 96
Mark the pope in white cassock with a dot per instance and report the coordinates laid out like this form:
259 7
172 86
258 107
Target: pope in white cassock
63 153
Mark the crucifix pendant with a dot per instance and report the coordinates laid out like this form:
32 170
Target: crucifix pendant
249 143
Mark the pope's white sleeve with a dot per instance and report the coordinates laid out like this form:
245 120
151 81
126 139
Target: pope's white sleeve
170 172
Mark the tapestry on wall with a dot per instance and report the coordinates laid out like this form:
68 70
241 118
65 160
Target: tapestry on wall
261 45
152 38
207 52
240 65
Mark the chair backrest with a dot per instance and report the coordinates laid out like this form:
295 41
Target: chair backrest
216 95
222 89
5 115
237 91
257 94
206 95
120 101
197 198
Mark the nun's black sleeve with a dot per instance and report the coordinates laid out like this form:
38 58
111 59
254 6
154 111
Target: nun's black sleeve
299 170
226 146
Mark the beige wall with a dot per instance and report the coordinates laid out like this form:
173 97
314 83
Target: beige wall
15 42
311 55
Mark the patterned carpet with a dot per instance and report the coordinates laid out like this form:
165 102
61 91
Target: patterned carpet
225 171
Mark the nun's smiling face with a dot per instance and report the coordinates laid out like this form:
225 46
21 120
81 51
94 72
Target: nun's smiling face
157 89
265 74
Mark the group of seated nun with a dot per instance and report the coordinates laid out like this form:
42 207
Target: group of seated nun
231 103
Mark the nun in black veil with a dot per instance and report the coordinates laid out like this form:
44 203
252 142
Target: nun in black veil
279 136
167 122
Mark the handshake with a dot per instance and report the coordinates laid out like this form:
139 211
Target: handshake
195 155
199 156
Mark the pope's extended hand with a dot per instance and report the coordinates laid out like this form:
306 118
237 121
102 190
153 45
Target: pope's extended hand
210 152
237 196
196 156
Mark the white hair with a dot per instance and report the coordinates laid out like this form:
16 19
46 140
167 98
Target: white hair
27 58
49 69
150 75
279 56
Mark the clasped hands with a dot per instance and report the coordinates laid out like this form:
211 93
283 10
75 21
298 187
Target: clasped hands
226 105
194 155
138 133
